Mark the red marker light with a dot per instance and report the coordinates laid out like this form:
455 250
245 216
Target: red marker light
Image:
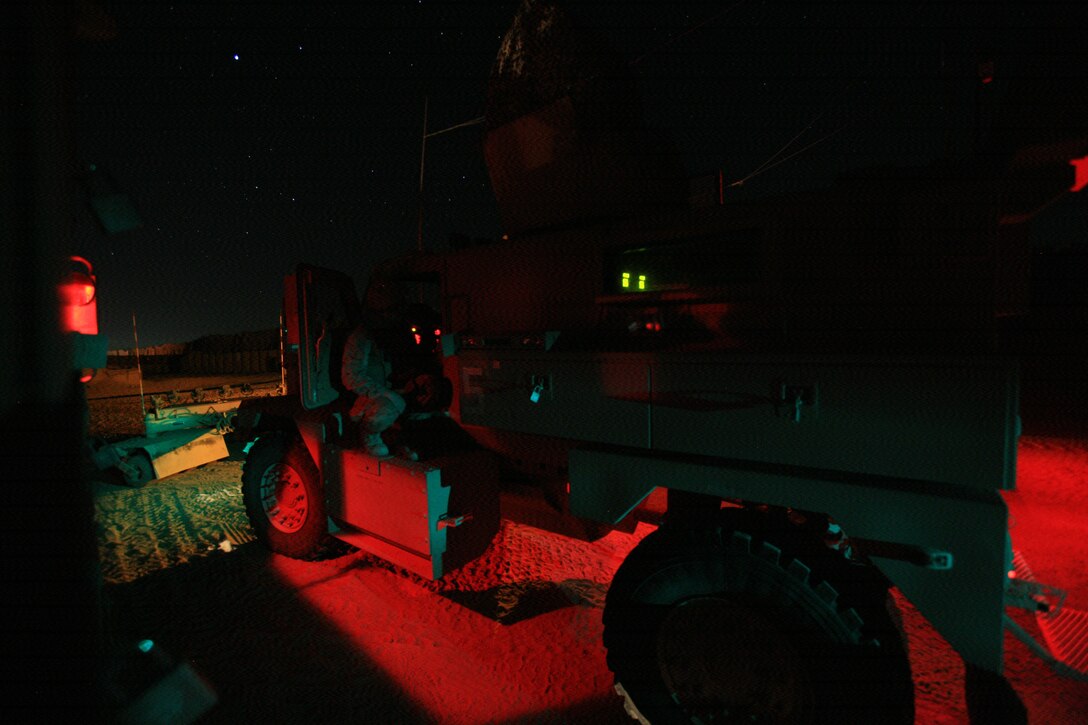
79 310
1081 170
986 71
75 291
418 337
437 332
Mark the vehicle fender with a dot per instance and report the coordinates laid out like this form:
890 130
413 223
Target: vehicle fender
964 602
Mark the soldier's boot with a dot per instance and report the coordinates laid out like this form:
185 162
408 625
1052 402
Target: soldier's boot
375 446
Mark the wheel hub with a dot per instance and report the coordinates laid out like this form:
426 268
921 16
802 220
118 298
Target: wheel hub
726 662
283 497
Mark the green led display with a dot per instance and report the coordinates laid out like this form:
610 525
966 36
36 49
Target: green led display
625 281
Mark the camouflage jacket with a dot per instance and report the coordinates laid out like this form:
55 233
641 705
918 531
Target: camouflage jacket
363 368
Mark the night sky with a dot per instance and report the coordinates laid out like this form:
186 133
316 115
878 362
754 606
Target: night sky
252 136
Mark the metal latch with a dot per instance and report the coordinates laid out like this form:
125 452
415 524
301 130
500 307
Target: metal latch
792 398
539 383
448 521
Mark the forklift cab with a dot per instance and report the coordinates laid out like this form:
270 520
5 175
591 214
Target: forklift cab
321 309
427 516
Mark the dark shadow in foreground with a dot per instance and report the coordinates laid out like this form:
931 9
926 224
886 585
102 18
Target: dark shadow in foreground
269 656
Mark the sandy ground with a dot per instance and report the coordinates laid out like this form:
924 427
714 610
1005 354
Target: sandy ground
513 637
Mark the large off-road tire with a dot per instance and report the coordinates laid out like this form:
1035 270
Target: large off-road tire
283 497
747 623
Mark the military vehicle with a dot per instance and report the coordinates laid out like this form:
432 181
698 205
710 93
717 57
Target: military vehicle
822 382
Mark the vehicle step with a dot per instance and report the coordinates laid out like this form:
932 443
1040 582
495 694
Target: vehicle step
1064 630
1066 636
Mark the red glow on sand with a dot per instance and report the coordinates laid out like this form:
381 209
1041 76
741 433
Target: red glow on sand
459 665
1046 510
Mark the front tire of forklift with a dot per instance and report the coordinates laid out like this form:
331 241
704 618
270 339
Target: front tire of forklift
282 492
736 623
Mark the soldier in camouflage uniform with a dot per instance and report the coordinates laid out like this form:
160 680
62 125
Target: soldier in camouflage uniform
365 371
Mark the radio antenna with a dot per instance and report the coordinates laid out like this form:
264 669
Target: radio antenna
139 370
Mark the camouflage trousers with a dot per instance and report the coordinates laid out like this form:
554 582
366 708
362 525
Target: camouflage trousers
377 410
